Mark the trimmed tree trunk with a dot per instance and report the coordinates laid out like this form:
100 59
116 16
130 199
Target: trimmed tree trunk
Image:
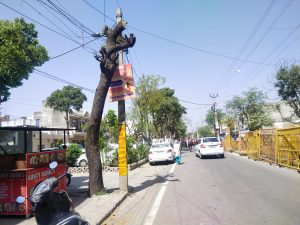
108 64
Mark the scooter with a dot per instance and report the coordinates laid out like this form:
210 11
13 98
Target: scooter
50 207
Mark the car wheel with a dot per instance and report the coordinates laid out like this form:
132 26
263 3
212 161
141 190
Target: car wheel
83 163
222 156
202 157
151 163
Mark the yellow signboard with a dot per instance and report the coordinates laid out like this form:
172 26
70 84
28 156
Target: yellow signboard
122 159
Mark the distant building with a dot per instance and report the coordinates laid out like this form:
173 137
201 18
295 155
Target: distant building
281 117
51 119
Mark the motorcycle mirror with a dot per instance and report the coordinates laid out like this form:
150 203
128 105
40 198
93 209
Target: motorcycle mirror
20 199
53 165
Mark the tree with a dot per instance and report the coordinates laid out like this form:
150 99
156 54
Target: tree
66 100
147 99
167 113
210 117
20 52
250 109
205 131
288 86
108 59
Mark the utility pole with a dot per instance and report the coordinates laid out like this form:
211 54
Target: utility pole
123 171
216 124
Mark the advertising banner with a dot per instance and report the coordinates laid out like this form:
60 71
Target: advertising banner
122 84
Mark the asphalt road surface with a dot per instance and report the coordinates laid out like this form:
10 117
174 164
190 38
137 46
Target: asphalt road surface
234 190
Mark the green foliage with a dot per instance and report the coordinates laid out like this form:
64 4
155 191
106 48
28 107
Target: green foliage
250 109
147 98
167 113
288 86
132 153
210 120
156 112
20 52
66 99
206 131
73 153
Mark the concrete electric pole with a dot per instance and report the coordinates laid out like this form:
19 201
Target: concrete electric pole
123 175
217 128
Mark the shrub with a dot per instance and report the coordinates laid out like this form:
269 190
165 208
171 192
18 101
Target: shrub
73 153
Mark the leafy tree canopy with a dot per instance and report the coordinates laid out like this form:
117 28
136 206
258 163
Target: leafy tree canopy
66 99
20 52
210 120
250 109
288 86
206 131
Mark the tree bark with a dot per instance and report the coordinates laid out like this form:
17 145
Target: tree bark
95 167
108 64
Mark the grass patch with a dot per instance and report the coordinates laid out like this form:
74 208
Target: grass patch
100 193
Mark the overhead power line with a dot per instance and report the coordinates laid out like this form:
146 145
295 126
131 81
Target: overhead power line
179 43
226 75
64 53
193 103
54 31
39 72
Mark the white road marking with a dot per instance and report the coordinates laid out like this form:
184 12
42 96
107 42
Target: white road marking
158 199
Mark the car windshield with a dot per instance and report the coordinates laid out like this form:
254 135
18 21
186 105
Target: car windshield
160 145
210 140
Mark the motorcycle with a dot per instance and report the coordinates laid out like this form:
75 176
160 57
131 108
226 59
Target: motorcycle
50 207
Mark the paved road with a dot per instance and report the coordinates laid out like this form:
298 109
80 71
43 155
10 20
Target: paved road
234 190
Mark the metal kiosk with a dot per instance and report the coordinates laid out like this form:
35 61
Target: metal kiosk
25 154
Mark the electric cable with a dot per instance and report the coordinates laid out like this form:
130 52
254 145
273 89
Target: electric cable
261 39
54 31
46 18
69 17
179 43
224 78
64 53
39 72
43 4
193 103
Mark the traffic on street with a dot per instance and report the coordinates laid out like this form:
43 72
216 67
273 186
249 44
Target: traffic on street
230 190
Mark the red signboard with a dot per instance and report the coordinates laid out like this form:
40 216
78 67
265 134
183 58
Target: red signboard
21 182
122 84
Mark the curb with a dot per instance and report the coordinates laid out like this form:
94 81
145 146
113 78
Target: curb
78 170
113 209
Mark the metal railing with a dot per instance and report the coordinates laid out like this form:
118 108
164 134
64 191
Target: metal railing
280 146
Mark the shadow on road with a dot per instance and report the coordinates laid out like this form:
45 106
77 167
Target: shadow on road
78 189
156 180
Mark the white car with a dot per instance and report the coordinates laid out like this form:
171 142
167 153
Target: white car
209 146
160 152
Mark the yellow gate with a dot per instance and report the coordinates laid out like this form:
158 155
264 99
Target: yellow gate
288 147
253 140
267 145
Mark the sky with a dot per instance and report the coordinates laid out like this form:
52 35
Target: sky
203 48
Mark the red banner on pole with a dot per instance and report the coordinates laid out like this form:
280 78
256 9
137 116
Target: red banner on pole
122 84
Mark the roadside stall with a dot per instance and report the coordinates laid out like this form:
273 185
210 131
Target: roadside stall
25 154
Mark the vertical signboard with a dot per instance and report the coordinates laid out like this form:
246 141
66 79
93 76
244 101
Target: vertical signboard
122 155
122 84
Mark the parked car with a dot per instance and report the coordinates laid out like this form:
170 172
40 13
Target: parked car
161 151
209 146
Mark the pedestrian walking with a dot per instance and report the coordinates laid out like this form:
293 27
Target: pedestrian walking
177 145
